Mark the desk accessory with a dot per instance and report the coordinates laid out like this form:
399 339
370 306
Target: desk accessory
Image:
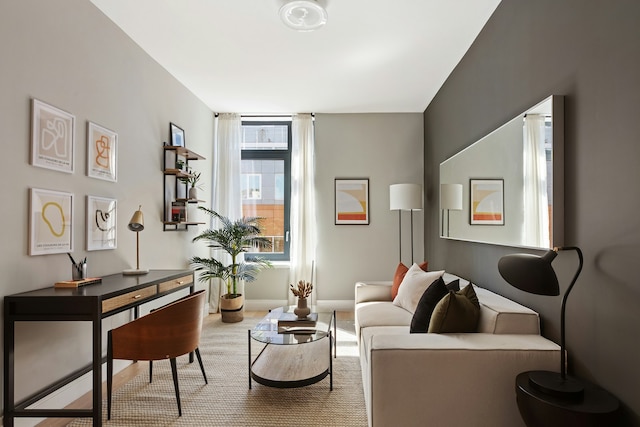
78 283
136 225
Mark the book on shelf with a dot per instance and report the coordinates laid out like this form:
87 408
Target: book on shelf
290 320
78 283
178 212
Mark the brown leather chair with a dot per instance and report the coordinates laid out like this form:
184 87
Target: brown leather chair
165 333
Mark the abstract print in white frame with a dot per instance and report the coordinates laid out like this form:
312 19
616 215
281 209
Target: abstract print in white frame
101 223
102 153
52 137
50 222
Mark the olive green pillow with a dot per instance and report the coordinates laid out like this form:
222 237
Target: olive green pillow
456 312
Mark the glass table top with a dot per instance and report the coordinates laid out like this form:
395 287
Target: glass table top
267 330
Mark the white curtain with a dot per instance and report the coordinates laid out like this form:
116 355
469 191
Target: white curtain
303 206
226 193
536 206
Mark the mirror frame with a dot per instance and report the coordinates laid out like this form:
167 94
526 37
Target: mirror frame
557 217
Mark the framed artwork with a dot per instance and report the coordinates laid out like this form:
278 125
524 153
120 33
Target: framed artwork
352 201
52 137
177 135
102 153
101 223
50 222
487 201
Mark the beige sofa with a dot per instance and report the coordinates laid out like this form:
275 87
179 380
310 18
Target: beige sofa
446 380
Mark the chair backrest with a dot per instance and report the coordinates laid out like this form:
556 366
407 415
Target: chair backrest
165 333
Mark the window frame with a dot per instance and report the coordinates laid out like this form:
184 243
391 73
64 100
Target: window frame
279 154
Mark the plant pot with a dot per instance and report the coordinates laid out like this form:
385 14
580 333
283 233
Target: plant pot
302 310
193 193
232 308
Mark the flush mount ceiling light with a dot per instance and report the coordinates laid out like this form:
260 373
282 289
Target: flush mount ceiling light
303 15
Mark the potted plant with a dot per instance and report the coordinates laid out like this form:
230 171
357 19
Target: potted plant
234 238
191 179
302 292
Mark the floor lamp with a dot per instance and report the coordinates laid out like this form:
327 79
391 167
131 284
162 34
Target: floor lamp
405 197
136 225
450 200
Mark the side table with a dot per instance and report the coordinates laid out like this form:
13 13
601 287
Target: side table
597 408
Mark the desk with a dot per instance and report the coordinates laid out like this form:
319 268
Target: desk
91 303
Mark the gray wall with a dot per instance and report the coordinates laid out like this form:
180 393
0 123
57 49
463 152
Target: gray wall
588 51
68 54
387 149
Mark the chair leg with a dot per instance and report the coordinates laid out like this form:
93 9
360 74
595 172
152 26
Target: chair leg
150 371
201 365
174 372
109 373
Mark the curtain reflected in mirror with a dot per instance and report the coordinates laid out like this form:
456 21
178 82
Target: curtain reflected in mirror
527 154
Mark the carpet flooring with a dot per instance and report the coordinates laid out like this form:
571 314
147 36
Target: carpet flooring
227 400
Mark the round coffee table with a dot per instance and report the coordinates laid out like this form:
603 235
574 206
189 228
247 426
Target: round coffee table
293 357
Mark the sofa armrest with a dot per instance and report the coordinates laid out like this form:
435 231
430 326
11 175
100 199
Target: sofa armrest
413 377
373 291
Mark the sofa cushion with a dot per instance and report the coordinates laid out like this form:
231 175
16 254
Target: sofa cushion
434 293
415 282
381 313
401 270
456 312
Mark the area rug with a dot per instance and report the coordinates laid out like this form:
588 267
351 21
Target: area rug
227 400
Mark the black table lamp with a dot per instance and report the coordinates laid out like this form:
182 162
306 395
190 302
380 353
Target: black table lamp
534 274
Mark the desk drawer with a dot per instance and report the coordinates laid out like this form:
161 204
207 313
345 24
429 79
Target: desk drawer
175 283
128 298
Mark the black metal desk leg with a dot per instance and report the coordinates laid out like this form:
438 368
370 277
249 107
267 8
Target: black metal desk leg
97 371
9 345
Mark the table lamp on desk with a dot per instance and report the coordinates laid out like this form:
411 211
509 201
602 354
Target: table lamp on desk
136 225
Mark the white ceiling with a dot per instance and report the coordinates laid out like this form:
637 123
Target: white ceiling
371 56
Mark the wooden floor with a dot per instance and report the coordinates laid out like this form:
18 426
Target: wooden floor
131 371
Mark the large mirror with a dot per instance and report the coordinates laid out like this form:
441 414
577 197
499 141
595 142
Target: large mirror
508 188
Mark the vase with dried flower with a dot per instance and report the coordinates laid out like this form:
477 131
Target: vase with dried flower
302 291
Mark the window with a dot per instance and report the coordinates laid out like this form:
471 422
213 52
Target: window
266 180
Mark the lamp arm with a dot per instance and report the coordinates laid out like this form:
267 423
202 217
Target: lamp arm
563 368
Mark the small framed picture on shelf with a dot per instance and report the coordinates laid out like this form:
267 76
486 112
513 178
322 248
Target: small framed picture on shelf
178 212
177 135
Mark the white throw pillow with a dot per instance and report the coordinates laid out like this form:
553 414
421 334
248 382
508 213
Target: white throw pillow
413 285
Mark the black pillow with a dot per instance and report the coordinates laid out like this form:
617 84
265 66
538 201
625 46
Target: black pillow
421 317
454 285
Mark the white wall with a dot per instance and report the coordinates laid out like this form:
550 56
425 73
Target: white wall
387 149
68 54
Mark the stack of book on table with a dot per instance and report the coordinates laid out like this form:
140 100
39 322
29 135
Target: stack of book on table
289 323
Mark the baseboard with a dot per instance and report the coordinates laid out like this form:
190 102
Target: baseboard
263 304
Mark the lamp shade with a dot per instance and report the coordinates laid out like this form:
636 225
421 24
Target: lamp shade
405 197
137 221
530 273
451 196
